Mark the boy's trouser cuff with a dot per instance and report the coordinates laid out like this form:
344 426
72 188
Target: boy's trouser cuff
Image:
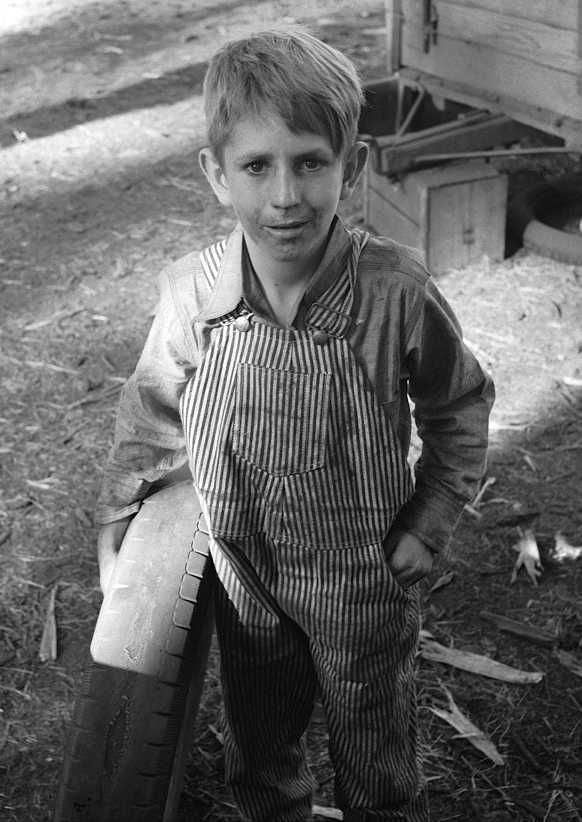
417 811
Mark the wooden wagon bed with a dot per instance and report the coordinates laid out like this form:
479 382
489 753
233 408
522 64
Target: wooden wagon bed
519 57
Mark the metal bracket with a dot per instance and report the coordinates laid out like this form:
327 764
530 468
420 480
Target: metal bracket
430 24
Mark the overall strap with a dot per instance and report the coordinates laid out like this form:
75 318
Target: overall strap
210 259
331 313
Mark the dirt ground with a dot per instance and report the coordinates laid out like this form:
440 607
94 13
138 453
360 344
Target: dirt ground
100 122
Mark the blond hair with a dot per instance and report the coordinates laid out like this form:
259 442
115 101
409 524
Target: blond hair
310 85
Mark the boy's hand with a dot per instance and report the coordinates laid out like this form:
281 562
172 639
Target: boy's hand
408 557
108 544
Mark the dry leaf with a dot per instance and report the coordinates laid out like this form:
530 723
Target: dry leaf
58 315
443 581
216 733
468 731
476 663
473 507
529 462
48 643
327 813
178 221
42 486
563 550
521 629
51 367
529 557
570 661
83 517
573 382
486 485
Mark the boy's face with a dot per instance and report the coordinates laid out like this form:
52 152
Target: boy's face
284 189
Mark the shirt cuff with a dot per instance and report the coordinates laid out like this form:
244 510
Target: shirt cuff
431 516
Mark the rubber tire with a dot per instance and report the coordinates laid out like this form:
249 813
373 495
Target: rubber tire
129 737
537 215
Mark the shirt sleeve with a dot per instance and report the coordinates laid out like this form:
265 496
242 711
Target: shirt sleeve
148 440
453 399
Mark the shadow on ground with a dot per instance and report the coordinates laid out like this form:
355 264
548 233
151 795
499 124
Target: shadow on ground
158 91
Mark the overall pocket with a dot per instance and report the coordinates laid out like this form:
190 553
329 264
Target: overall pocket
281 419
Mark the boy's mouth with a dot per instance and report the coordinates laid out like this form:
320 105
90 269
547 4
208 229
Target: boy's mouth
290 227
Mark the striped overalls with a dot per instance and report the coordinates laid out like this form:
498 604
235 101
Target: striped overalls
300 476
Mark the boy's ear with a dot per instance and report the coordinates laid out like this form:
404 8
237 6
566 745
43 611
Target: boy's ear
213 172
354 166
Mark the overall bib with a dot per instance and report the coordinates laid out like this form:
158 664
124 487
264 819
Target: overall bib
300 476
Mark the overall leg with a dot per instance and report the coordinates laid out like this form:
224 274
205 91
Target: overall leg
363 634
268 687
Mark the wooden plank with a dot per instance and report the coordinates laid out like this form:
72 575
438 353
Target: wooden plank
540 43
521 629
559 13
453 175
466 221
397 155
388 221
393 209
565 127
393 32
491 75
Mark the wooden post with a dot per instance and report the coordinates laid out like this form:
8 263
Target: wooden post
580 47
393 32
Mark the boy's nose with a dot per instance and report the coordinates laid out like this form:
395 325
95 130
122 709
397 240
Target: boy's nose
285 191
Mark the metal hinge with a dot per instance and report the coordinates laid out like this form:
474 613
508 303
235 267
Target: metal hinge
430 24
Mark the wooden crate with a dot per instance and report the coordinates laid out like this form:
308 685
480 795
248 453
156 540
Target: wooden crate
454 214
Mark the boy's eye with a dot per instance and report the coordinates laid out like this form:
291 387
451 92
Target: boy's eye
312 163
256 166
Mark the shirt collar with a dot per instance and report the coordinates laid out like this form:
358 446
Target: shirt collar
226 292
228 289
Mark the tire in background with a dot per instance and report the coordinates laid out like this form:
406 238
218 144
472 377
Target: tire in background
129 736
537 216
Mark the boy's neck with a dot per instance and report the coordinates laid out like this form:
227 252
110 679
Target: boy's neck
285 275
283 282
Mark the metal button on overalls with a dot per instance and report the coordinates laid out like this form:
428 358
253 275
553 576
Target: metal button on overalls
243 323
320 337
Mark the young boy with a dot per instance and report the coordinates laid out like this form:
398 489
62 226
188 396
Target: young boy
279 365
